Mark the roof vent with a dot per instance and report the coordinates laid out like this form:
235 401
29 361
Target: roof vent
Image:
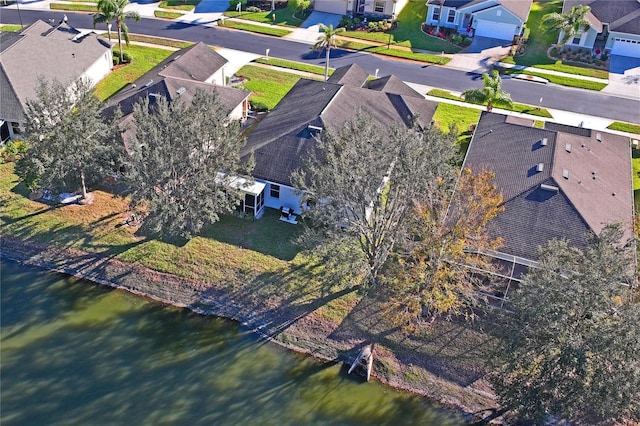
599 137
567 147
540 167
181 90
565 173
549 188
149 83
545 141
314 128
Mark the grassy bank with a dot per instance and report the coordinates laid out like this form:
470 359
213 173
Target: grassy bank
255 269
293 65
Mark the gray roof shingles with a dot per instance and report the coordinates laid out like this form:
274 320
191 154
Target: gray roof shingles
185 69
282 139
43 51
621 15
578 205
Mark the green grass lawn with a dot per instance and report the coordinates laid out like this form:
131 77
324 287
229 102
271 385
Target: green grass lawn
288 17
74 7
625 127
166 14
293 65
9 27
396 53
268 86
559 79
260 29
408 32
450 117
539 40
516 107
187 5
144 58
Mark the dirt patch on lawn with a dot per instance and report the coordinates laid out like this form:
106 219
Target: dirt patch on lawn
446 366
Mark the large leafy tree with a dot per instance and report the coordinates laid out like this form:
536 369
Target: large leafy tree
366 178
437 269
114 11
568 23
490 93
70 145
175 158
325 42
570 347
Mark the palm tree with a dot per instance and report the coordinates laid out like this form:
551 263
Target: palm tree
568 23
113 10
491 92
326 41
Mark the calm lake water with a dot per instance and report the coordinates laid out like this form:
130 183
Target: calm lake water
75 353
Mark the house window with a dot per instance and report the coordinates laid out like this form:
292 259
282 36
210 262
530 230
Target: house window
452 16
436 14
379 7
274 191
577 38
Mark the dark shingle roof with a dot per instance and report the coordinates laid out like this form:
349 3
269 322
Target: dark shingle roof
562 199
621 15
172 78
10 107
392 84
282 138
350 75
43 51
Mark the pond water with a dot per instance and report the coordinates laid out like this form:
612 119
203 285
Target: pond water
76 353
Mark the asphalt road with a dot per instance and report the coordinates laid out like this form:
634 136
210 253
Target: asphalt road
557 97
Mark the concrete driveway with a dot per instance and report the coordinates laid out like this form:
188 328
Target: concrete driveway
480 55
624 76
309 31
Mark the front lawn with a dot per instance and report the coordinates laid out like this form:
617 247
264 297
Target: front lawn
10 27
515 107
539 40
458 118
259 29
293 65
80 7
288 17
187 5
268 86
167 14
625 127
143 59
408 32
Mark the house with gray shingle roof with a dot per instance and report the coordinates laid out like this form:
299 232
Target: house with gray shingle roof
283 138
43 51
501 19
614 26
558 182
197 67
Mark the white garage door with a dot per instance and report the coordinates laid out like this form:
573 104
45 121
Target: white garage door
495 30
331 6
625 47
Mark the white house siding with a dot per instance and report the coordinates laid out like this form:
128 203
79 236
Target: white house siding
99 69
289 197
624 44
239 112
331 6
218 78
443 17
587 39
398 6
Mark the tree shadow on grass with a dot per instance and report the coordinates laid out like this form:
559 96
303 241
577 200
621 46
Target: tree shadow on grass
451 350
